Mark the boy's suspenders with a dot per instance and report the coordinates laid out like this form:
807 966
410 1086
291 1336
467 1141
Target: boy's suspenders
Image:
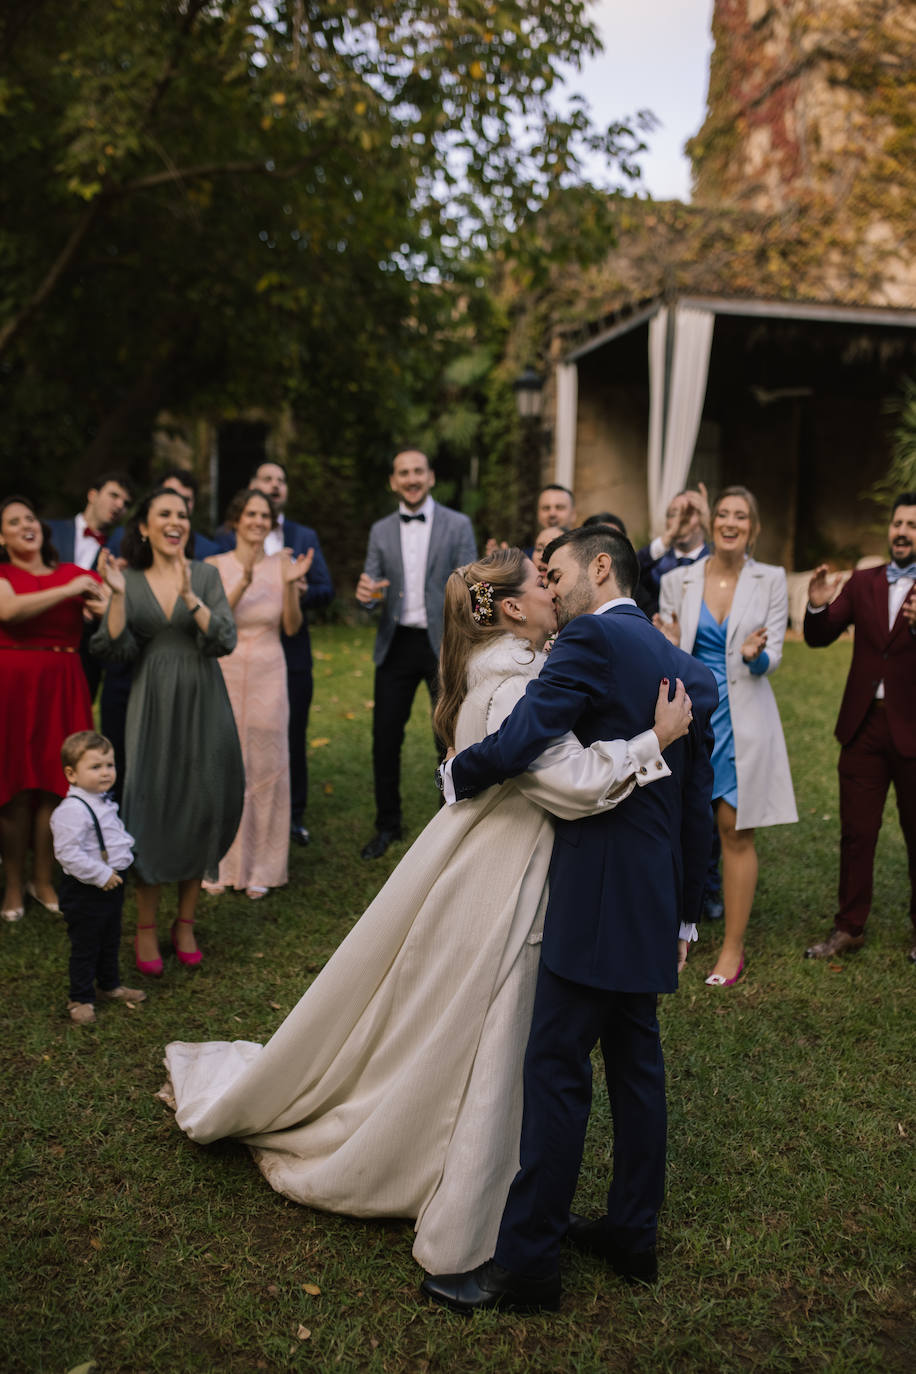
98 829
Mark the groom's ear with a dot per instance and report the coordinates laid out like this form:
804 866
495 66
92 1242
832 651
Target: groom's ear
602 568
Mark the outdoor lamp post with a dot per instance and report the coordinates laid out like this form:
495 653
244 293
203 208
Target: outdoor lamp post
529 394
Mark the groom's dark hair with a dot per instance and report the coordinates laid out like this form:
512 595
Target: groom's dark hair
586 543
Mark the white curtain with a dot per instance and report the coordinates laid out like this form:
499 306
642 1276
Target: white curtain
567 403
678 372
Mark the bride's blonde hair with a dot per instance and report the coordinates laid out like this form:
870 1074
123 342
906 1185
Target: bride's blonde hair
472 597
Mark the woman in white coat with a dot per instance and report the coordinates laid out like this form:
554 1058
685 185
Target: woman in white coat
731 613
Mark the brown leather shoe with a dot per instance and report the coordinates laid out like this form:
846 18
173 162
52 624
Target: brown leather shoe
837 942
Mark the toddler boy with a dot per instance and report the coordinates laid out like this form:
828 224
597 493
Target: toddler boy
94 850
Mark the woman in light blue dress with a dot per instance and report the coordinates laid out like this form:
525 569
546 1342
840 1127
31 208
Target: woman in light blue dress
731 613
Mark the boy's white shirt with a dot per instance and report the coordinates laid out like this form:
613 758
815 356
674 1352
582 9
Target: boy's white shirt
76 845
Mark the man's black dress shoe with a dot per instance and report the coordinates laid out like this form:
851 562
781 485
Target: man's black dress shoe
489 1285
713 909
299 835
379 843
636 1266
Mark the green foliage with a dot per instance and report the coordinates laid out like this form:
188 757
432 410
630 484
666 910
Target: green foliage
901 472
229 206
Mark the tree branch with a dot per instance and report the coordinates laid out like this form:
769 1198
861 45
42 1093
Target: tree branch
208 169
14 327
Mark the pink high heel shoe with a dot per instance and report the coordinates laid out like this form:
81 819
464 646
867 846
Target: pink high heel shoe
187 957
151 967
718 980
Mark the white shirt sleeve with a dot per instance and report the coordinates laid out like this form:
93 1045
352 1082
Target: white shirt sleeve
569 780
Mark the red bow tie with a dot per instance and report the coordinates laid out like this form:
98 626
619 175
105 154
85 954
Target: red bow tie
102 539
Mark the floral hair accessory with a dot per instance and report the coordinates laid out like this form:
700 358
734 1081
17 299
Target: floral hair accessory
482 597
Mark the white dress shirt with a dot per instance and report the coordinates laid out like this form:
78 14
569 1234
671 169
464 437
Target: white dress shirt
86 548
414 550
275 542
76 845
658 547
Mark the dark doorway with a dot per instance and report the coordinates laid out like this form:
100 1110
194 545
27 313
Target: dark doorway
242 448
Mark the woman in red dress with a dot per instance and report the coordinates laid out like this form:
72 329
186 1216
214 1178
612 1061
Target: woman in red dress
43 692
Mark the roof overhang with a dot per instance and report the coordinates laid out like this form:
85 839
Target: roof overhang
817 312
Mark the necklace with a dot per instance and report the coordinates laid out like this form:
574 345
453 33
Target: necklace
724 581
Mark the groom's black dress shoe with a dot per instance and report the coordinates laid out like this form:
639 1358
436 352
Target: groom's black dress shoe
379 843
636 1266
299 835
489 1285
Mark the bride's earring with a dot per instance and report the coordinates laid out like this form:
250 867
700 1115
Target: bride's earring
523 619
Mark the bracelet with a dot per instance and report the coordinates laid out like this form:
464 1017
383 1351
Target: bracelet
198 606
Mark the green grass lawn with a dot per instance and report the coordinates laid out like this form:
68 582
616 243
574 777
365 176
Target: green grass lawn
787 1235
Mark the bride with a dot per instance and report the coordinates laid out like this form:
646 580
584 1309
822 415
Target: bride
394 1087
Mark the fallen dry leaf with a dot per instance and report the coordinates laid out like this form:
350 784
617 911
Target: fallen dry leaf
349 715
835 968
259 955
273 1289
95 1243
274 1006
303 1333
319 743
329 789
311 1288
900 1129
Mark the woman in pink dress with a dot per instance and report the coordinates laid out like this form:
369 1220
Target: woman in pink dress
43 693
263 591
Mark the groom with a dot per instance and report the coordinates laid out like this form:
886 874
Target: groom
622 887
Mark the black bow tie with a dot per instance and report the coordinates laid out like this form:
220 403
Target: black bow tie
408 518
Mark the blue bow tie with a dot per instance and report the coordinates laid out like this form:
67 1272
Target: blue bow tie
894 573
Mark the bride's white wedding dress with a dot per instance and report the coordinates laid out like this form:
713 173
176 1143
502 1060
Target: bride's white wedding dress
394 1087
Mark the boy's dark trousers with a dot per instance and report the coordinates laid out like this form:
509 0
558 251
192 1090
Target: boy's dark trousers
94 925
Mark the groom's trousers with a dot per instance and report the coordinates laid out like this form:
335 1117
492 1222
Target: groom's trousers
568 1020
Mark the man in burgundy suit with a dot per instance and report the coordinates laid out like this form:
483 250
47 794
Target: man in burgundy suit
877 720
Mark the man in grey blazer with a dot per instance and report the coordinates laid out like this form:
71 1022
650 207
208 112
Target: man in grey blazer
411 553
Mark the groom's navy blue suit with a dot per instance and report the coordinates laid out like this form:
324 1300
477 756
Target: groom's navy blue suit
620 885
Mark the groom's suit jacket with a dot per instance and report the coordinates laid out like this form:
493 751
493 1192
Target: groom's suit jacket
623 881
451 544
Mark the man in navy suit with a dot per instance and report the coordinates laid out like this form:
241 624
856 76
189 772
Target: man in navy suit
271 478
625 888
408 562
682 541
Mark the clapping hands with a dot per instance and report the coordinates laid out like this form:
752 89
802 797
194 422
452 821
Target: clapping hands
296 569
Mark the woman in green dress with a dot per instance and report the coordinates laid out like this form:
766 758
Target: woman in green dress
185 782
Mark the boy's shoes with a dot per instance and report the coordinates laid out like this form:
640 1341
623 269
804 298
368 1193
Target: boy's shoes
122 994
83 1013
